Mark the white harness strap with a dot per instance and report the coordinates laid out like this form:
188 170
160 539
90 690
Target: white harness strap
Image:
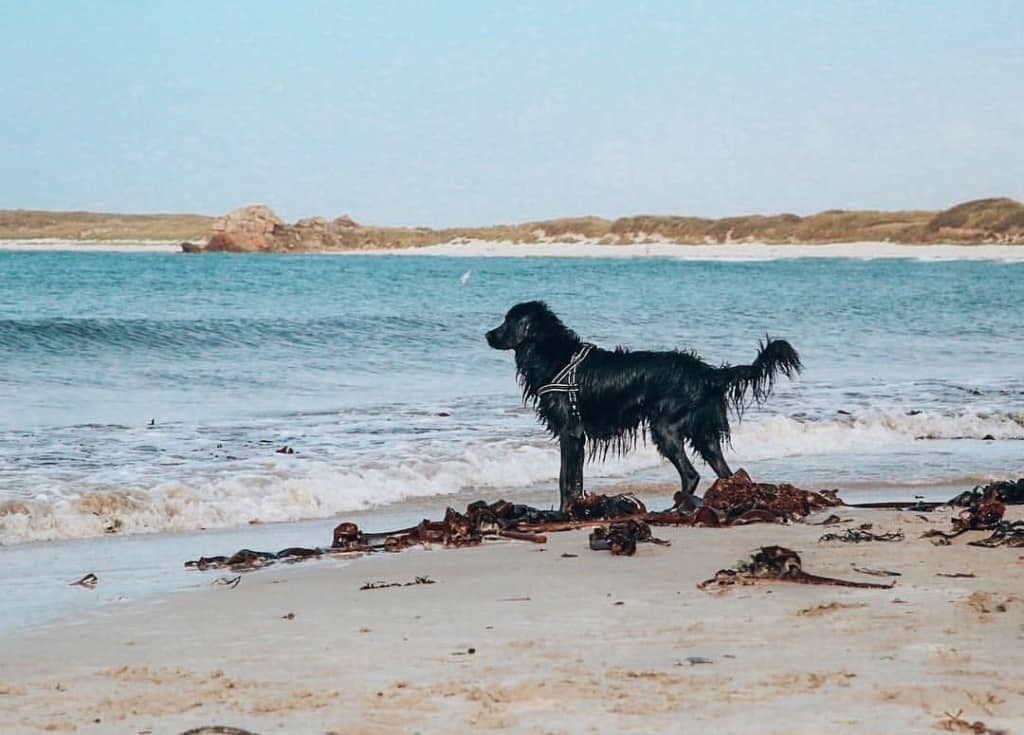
565 380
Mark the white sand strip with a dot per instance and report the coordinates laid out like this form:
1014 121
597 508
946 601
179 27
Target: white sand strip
588 643
586 249
732 251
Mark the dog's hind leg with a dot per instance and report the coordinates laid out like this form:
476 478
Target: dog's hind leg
570 476
670 445
711 452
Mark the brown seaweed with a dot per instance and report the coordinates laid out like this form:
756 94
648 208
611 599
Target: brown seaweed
778 564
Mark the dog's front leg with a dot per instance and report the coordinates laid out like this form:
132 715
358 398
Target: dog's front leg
570 477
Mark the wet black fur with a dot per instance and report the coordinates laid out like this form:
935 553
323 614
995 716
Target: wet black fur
675 396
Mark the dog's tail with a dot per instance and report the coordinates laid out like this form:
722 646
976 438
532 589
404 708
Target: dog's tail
774 356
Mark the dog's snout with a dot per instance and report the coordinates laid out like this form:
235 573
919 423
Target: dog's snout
496 338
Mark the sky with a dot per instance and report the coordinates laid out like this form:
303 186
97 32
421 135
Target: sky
462 112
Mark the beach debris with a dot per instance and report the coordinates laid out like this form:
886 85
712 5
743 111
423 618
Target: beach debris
1007 491
819 610
218 730
246 560
877 572
861 535
606 506
288 616
956 575
954 722
513 599
481 520
830 521
383 585
984 508
778 564
737 500
284 450
89 581
621 537
695 661
623 521
229 582
297 553
1005 533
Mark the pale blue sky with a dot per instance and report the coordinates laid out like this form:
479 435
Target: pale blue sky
474 112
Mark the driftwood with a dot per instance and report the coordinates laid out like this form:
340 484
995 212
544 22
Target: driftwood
778 564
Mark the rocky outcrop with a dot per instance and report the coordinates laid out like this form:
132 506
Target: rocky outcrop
246 229
258 228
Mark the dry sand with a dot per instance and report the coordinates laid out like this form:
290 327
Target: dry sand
591 249
563 640
731 251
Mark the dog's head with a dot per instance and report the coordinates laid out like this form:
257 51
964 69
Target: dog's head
527 322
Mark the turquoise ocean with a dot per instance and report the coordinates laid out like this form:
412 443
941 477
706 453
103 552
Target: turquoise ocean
144 395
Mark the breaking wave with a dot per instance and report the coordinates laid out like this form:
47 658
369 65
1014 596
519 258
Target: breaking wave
284 489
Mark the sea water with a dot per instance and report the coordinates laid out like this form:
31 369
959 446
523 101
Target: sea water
150 392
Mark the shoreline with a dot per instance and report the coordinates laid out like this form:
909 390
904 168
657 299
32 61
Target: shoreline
739 251
138 567
504 640
122 561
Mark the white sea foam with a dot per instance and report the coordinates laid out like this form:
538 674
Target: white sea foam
281 491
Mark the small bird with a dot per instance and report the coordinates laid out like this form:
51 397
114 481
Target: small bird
465 277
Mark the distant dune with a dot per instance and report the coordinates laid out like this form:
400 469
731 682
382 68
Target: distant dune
257 228
29 224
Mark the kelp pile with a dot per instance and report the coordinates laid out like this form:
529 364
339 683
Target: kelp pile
620 522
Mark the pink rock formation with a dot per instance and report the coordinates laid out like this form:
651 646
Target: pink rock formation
245 229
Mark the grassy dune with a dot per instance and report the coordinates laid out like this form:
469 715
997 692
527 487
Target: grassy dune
29 224
980 221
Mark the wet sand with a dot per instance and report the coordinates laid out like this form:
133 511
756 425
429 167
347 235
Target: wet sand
519 638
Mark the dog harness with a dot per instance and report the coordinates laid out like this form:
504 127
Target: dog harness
565 380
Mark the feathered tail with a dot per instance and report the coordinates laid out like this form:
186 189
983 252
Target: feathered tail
774 356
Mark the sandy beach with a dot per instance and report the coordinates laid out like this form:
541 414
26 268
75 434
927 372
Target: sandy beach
731 251
590 249
515 637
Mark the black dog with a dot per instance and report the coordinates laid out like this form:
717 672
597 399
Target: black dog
583 392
